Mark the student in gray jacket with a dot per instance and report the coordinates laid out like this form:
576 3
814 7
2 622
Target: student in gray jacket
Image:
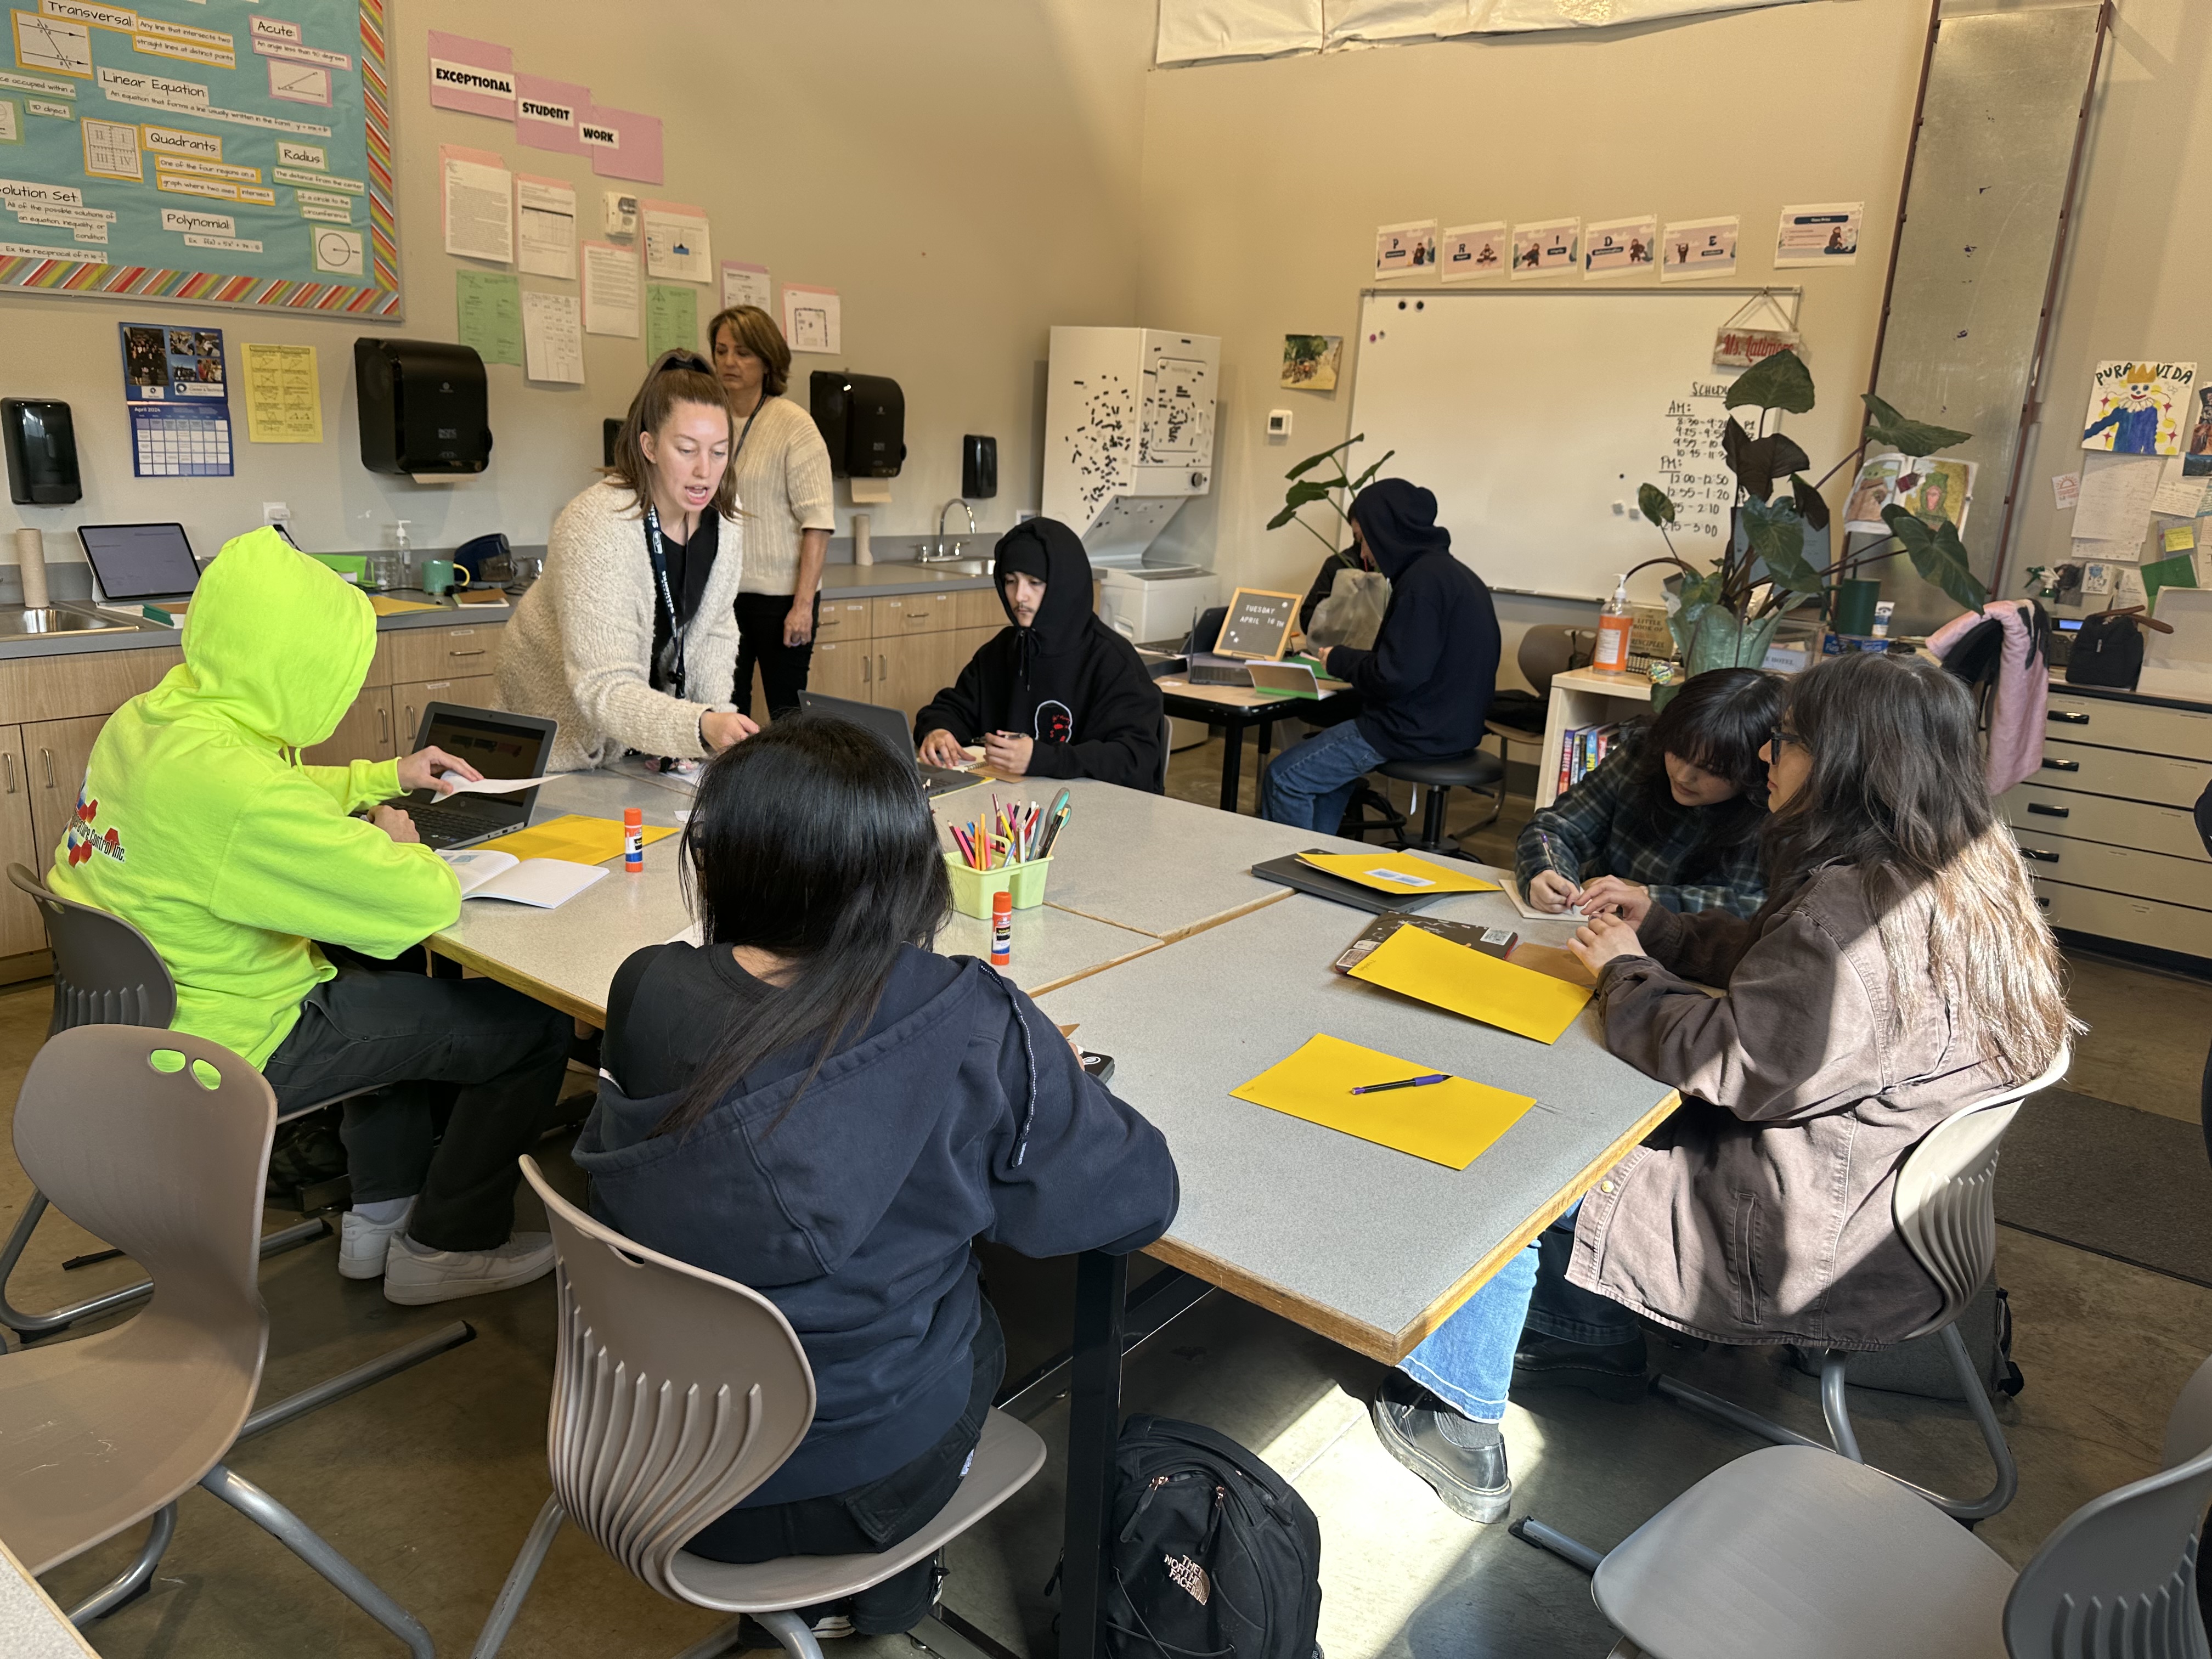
1898 970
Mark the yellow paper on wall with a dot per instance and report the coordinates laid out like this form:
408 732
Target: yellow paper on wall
571 837
1416 963
1451 1123
283 395
1396 873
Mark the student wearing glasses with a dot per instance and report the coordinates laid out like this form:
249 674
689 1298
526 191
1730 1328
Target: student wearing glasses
1898 970
629 639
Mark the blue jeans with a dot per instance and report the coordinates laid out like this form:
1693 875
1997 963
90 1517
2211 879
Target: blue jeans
1310 785
1468 1361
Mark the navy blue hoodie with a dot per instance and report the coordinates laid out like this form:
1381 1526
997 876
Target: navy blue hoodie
960 1114
1428 683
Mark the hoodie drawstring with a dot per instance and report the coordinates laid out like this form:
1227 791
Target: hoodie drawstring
1029 1054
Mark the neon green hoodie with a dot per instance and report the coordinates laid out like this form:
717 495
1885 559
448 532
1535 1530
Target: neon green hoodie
199 824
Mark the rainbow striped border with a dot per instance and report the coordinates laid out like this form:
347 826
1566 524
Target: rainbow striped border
213 288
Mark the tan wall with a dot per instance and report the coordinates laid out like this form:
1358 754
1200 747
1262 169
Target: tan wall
965 172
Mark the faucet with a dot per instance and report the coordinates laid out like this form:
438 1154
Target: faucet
939 553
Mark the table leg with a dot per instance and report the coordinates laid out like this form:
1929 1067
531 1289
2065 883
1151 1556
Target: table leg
1094 1424
1232 764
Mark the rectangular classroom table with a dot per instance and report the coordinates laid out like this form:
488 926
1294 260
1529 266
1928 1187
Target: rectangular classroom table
1233 708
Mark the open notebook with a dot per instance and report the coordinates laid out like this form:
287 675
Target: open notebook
547 883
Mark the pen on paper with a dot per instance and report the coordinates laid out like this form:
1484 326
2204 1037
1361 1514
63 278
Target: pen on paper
1402 1082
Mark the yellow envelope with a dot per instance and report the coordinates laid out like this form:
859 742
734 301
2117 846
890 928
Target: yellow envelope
384 605
1415 963
1451 1123
1397 872
573 837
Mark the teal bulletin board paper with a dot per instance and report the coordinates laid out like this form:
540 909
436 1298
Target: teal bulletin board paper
488 305
672 319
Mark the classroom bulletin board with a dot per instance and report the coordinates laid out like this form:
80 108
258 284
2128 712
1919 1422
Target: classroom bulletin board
216 152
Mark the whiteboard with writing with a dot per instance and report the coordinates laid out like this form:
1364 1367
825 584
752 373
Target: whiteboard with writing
1533 414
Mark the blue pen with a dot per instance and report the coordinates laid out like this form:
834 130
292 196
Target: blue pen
1403 1083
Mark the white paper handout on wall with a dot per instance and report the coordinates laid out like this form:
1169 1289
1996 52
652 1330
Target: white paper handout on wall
1698 248
552 338
610 291
545 226
677 243
479 204
1469 253
1820 234
1621 247
1408 248
2138 407
2113 510
745 284
1548 247
811 319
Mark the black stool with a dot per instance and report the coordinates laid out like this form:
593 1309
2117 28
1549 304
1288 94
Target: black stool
1476 770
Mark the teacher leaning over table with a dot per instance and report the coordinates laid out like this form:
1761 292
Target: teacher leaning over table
629 639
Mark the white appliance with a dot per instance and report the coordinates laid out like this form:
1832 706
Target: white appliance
1146 604
1128 433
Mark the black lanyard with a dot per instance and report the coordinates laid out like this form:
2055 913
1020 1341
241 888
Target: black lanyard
668 599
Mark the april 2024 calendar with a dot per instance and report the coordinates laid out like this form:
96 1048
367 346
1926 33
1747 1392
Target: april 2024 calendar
176 385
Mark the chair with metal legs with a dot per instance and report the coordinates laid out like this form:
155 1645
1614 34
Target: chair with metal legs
675 1393
160 1141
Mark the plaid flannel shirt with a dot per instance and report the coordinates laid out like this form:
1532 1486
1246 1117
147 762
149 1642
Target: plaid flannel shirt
1596 829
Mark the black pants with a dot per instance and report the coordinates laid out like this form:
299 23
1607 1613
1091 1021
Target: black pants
868 1520
467 1056
760 639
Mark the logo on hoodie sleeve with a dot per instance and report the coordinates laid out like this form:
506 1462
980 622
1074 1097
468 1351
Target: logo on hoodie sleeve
1054 722
85 836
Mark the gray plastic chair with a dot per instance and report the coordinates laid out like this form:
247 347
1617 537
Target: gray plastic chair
1167 748
1945 1207
675 1393
159 1141
1793 1552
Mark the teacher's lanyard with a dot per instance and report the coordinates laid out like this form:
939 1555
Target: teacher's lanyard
667 599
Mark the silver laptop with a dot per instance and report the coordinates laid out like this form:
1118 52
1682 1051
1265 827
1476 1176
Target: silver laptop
889 724
499 745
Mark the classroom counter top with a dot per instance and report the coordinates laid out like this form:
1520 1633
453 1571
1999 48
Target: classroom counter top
869 581
14 646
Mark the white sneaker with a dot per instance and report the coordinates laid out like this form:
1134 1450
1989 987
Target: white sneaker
362 1243
414 1274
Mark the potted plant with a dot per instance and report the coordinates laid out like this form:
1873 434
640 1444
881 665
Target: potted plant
1304 492
1777 555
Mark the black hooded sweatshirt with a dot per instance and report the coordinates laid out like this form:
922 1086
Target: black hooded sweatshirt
1067 680
1428 683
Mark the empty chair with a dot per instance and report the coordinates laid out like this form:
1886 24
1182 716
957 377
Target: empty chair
159 1141
677 1392
1478 769
1546 651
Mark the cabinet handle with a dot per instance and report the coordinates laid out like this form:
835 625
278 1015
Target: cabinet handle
2041 902
383 725
2041 855
883 668
410 718
2064 718
8 758
478 652
2041 810
867 670
47 758
2061 766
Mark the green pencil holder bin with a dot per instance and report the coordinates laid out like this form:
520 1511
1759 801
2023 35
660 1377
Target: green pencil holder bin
972 889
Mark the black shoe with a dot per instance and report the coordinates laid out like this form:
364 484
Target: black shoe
1614 1371
1464 1461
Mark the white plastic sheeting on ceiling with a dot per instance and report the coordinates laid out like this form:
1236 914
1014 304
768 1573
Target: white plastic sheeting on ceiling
1195 31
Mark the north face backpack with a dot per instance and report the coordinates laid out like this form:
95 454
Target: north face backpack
1212 1553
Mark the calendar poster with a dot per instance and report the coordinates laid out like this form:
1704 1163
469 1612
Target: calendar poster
177 388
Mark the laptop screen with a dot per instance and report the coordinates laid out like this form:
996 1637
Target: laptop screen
140 561
496 748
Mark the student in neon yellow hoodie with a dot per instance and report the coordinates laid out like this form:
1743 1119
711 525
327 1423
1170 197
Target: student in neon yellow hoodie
199 824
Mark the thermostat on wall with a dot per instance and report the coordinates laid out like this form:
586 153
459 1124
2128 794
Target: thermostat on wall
1278 423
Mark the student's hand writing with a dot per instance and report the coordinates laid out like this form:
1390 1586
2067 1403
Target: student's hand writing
1550 890
1612 895
720 727
798 626
941 748
420 770
1604 939
1007 754
394 823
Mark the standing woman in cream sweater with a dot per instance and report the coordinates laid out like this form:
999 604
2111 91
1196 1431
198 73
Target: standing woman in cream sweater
630 637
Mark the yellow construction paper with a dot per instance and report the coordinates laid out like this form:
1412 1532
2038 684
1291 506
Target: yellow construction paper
384 606
1396 873
1451 1123
571 837
1416 963
284 397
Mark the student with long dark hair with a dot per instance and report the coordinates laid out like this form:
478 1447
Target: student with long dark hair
1673 812
1898 970
814 1104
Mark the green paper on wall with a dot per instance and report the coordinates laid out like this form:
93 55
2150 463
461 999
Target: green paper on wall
2178 572
488 304
672 319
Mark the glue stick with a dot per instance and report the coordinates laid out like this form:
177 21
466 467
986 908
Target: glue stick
1002 929
633 840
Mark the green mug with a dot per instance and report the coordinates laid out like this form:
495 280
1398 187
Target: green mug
1853 609
440 577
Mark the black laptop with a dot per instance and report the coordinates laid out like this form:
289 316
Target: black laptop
1306 879
889 724
499 745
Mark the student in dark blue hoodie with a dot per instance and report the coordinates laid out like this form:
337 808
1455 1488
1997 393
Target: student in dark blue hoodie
1424 688
818 1106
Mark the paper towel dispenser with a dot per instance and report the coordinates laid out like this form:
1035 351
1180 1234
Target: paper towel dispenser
424 411
42 443
863 422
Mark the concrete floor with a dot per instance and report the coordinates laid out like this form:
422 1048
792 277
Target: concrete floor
429 1481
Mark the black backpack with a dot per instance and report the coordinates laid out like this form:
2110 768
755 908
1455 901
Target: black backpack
1212 1553
2109 649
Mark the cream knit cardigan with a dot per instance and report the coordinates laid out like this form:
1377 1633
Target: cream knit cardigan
579 647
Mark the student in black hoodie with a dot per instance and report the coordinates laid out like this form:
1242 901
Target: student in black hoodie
818 1107
1426 684
1059 695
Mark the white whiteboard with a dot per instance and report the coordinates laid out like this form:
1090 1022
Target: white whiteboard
1532 412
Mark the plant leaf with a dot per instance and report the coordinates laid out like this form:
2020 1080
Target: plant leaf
1313 461
1781 381
1655 503
1734 441
1811 506
1777 535
1759 461
1888 429
1367 476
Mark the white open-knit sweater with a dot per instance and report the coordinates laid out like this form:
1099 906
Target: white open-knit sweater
579 648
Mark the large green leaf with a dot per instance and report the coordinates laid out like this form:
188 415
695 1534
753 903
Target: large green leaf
1688 600
1781 381
1888 429
1777 535
1812 507
1655 503
1367 476
1300 494
1760 462
1313 461
1938 555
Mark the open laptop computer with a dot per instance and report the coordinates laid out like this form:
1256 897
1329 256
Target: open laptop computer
499 745
889 724
135 564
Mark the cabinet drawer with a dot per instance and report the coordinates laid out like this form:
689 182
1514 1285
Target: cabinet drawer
2035 809
978 607
443 653
846 619
2123 773
2184 732
77 683
915 613
2138 922
2117 869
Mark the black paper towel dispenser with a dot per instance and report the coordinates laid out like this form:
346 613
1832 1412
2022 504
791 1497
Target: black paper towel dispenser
41 442
863 421
423 408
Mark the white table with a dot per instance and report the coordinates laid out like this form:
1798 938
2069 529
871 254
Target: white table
1584 696
31 1625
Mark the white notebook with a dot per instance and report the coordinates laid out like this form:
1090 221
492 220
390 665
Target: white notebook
547 884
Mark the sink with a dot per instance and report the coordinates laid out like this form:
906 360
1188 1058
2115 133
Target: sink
53 620
954 566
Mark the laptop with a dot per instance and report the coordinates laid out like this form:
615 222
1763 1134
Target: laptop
889 726
1321 885
499 745
141 563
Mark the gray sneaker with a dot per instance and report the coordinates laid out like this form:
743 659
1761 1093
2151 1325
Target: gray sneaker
364 1245
414 1274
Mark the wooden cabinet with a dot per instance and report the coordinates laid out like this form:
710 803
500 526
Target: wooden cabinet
442 654
21 928
69 684
846 619
843 668
56 751
365 733
909 672
408 701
